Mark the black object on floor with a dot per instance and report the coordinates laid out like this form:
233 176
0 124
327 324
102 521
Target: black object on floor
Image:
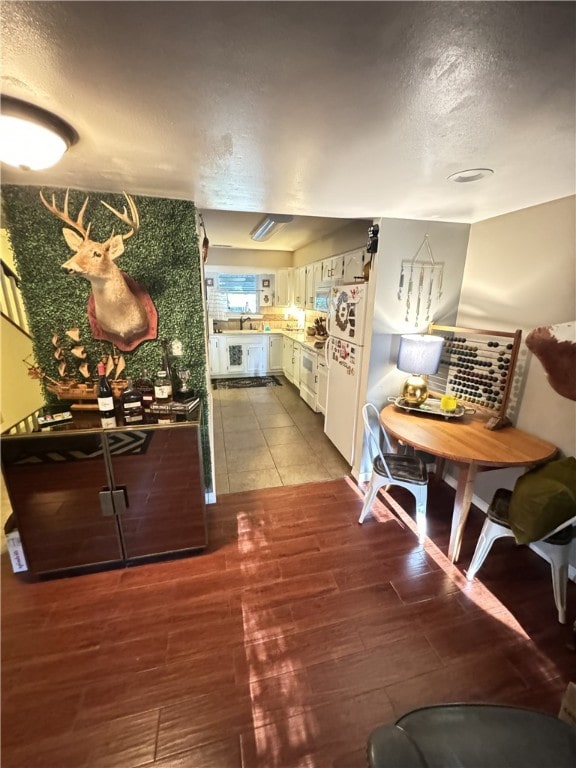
250 381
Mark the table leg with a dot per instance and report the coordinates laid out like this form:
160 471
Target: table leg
464 491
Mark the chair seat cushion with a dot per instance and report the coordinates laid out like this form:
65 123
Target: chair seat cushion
543 499
499 509
474 736
408 469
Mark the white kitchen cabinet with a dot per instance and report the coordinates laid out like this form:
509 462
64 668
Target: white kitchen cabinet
283 292
217 352
291 361
333 269
275 353
313 280
322 386
255 356
353 265
296 350
300 287
251 355
288 358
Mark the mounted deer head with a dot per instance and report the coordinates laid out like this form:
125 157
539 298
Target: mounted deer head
119 309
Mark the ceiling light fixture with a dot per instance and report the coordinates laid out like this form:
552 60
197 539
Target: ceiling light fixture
30 137
470 174
270 225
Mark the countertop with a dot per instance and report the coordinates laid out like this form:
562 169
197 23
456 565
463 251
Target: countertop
300 336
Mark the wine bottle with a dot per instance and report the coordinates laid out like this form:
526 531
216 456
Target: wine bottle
163 389
132 404
146 387
105 399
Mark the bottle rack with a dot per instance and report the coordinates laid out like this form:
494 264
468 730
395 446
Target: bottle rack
477 366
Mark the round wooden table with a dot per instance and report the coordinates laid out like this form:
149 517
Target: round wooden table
466 442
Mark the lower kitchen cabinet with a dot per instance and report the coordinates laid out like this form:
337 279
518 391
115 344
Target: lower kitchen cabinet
322 386
275 353
256 358
96 498
217 352
250 355
291 361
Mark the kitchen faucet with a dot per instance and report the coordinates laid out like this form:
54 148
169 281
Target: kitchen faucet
242 321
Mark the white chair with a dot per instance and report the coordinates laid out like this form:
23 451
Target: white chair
389 468
555 547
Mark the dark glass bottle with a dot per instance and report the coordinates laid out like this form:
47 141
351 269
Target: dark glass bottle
132 404
163 389
105 399
146 386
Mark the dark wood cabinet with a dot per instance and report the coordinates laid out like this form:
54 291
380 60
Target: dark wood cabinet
106 497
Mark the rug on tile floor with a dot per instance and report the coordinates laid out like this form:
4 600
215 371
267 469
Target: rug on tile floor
250 381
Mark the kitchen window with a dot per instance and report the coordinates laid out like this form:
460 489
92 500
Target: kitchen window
241 292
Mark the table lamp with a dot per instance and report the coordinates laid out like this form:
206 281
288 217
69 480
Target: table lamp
419 355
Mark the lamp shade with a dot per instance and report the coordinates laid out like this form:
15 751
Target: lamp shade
420 353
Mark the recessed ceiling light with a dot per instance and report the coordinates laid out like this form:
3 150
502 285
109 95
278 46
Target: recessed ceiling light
470 174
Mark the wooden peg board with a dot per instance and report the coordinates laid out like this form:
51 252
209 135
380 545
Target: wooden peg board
477 366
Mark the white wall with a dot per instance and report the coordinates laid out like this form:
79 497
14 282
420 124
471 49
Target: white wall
347 238
399 240
521 273
239 257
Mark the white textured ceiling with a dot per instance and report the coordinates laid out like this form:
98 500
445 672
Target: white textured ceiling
319 109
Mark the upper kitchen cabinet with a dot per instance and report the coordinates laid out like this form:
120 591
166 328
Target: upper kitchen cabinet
353 266
333 269
300 287
284 287
313 280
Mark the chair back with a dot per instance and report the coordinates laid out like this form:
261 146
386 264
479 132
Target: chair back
376 436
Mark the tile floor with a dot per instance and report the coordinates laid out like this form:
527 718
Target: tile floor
268 436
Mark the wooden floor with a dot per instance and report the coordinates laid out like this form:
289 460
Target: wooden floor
283 646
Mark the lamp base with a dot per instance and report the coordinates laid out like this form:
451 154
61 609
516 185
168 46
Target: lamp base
415 390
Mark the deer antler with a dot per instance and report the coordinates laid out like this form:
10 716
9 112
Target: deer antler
64 216
133 221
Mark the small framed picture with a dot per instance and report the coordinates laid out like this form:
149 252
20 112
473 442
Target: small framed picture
209 282
265 283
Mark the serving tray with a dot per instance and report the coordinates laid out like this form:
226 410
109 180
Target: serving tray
431 408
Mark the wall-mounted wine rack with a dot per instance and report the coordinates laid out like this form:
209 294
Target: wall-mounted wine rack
477 366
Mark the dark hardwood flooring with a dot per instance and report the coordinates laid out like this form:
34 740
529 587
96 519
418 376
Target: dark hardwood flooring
284 645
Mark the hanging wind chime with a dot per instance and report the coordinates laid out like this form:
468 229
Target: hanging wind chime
427 276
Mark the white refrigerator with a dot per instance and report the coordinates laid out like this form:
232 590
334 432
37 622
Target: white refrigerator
346 321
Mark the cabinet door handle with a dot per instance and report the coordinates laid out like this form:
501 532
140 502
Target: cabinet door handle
120 497
106 505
